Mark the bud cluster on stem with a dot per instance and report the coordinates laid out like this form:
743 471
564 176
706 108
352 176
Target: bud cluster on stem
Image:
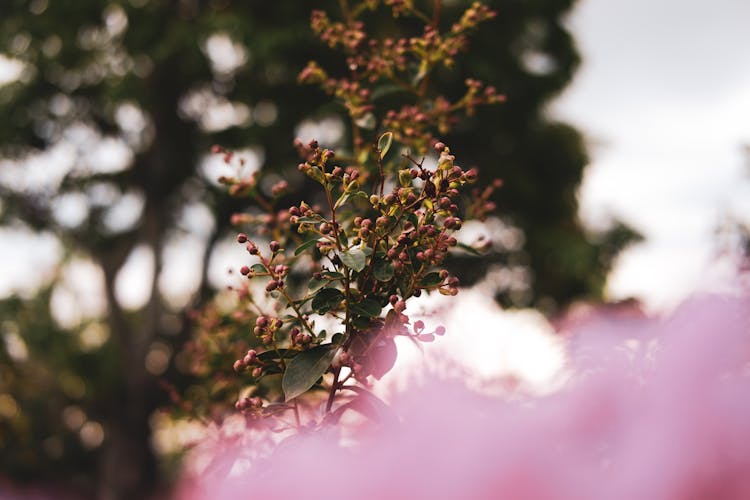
377 233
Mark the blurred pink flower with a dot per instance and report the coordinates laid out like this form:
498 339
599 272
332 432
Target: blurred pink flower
656 409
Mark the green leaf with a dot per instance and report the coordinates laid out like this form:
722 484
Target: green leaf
386 90
333 275
412 217
307 219
354 258
326 299
342 199
272 354
259 268
316 174
384 143
368 307
316 284
305 369
431 279
361 322
383 270
469 249
366 121
304 246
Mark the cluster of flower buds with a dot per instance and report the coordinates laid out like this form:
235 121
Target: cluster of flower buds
369 251
477 13
266 328
249 405
373 61
251 361
477 94
336 34
300 338
277 273
418 328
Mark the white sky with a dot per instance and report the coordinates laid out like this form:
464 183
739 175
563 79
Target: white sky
664 99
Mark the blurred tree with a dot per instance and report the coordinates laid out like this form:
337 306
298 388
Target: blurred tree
106 132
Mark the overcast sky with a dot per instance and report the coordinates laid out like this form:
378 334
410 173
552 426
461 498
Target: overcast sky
664 99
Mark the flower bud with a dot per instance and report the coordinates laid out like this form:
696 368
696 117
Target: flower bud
241 238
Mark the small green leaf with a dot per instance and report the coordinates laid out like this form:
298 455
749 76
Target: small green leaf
424 68
384 143
412 217
316 174
304 246
305 369
343 238
366 121
354 258
386 90
272 354
361 194
326 299
307 219
368 307
342 199
469 249
258 268
404 178
431 279
316 284
383 270
361 322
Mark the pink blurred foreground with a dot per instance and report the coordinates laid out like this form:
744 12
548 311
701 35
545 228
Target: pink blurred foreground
656 409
